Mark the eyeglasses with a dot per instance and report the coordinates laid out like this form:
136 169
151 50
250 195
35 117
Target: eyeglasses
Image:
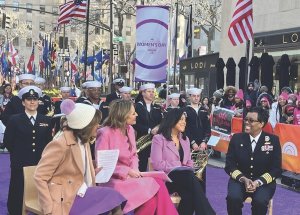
263 101
250 120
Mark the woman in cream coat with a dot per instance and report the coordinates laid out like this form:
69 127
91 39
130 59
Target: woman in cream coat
65 175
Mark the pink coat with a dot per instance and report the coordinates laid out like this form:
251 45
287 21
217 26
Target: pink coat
137 191
165 156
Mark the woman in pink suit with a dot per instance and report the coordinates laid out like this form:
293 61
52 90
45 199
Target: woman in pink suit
170 152
145 195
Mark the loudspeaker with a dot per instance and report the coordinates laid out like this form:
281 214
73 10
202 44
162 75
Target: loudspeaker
61 42
123 69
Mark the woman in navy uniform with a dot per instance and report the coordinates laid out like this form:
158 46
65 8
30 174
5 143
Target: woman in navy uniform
25 137
147 121
15 106
253 162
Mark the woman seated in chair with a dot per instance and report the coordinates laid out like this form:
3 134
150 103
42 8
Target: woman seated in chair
145 195
65 176
171 149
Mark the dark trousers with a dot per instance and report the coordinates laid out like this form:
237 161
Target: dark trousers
189 188
143 158
260 198
15 193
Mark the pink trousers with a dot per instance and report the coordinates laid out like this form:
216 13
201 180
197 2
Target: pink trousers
160 204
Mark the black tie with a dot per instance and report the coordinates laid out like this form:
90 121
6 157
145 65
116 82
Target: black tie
32 120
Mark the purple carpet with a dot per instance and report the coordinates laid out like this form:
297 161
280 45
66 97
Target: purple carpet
284 202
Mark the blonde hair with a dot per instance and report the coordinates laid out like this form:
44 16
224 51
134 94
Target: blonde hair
118 112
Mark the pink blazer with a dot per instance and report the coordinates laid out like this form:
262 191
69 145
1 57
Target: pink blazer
137 191
165 156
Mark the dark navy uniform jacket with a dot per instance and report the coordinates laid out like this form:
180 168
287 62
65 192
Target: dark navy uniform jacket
45 105
25 141
111 97
145 119
263 164
14 106
197 125
56 121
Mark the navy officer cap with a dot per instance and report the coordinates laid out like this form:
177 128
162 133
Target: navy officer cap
30 92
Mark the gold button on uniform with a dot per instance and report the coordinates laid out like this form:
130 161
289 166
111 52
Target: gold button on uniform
252 159
251 173
251 167
33 144
33 131
33 150
33 137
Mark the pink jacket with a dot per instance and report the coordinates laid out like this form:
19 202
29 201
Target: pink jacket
165 156
137 191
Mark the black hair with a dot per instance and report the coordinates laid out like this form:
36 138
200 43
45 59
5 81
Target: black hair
262 114
169 121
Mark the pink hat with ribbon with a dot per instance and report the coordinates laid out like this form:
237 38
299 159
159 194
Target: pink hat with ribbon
240 94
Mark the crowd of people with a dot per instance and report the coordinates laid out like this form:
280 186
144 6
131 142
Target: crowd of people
62 140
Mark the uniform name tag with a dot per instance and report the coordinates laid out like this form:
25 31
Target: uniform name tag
43 125
266 148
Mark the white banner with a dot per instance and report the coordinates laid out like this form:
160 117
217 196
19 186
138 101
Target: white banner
151 43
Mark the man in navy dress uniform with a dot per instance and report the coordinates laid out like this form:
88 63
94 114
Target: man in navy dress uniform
118 83
253 162
15 106
25 137
45 105
147 121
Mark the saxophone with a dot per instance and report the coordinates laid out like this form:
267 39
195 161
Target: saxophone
200 159
143 142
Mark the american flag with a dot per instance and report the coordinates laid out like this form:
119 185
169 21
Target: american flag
240 29
73 8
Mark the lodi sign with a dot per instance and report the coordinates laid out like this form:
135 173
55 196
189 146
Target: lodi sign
280 39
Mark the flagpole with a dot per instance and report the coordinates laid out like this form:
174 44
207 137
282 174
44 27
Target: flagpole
86 37
246 79
175 46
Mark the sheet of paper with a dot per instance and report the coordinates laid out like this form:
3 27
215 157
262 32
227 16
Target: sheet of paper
157 174
213 140
107 159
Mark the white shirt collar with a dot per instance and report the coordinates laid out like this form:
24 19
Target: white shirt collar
34 115
256 138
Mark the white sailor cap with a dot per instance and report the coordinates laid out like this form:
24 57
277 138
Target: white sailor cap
83 85
26 77
174 96
125 89
147 86
31 92
92 84
119 81
39 80
65 89
194 91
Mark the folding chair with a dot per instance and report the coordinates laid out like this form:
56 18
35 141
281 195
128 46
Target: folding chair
30 197
270 205
174 196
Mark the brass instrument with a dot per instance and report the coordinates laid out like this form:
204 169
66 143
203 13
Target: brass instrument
200 159
143 142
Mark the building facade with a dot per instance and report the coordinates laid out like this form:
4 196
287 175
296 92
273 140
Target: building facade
276 32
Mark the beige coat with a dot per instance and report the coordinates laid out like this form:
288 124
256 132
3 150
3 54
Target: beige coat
59 174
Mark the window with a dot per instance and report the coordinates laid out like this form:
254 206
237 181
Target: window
29 25
102 13
28 42
16 6
15 24
29 7
127 47
54 26
116 30
97 30
197 32
42 9
73 28
16 41
42 26
55 10
128 31
128 16
97 16
73 44
2 2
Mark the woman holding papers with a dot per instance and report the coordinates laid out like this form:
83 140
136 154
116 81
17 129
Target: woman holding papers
145 195
170 152
65 176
